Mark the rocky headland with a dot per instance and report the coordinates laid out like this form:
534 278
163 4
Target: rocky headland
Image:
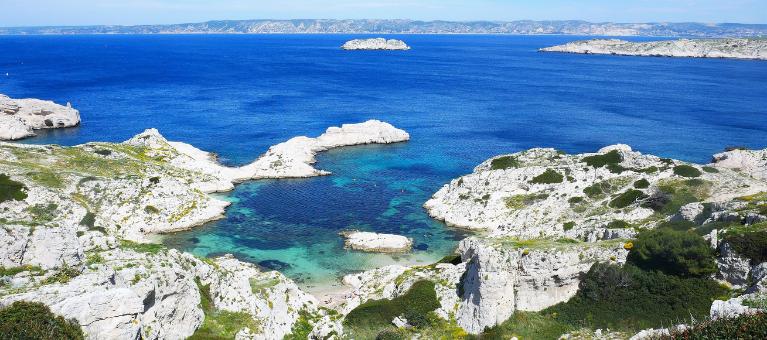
376 44
691 48
20 117
76 222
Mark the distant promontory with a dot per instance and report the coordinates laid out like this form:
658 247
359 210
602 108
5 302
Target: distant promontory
691 48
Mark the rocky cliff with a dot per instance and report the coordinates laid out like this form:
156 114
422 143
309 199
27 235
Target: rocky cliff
19 117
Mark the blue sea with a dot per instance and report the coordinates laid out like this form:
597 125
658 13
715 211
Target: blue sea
463 99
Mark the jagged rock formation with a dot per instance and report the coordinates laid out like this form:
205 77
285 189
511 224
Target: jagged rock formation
72 213
18 117
703 48
375 242
375 44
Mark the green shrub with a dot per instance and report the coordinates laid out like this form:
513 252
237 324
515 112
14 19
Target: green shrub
673 194
629 299
710 169
743 327
64 275
575 200
31 320
11 190
142 247
11 271
42 213
452 259
642 184
649 170
598 161
627 198
593 190
504 162
673 252
89 220
150 209
685 170
548 177
568 225
618 224
418 301
752 245
677 225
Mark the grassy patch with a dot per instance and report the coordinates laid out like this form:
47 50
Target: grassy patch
258 286
15 270
672 194
43 213
11 190
452 259
220 324
710 169
750 326
33 320
568 225
150 248
64 275
526 325
46 178
518 202
504 162
618 224
642 184
548 177
89 220
302 327
378 314
685 170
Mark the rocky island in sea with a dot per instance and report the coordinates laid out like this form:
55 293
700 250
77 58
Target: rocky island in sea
77 225
376 44
692 48
20 117
376 242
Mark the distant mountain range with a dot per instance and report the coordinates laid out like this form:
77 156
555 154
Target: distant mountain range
570 27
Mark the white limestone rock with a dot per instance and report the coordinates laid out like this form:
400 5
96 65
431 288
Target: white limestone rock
13 128
375 44
375 242
752 162
733 307
504 199
19 116
697 48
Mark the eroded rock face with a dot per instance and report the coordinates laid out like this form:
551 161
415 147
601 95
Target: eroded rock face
19 116
375 44
502 277
375 242
698 48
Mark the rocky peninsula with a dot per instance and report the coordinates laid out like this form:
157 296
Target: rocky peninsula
690 48
20 117
555 228
376 44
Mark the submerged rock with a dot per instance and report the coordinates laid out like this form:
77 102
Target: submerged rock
18 117
375 242
375 44
697 48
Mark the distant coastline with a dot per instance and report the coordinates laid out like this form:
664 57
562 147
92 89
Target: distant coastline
396 26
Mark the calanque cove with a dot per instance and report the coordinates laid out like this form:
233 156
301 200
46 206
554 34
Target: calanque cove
613 244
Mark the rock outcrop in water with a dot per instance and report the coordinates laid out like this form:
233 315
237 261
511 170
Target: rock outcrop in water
375 242
698 48
75 219
19 117
375 44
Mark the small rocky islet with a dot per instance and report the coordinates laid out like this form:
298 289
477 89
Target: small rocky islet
375 44
730 48
20 117
78 240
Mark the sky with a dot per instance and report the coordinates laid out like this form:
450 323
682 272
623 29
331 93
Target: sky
132 12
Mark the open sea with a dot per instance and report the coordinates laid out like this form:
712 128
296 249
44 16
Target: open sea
463 99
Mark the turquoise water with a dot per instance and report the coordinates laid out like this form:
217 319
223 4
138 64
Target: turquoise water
463 99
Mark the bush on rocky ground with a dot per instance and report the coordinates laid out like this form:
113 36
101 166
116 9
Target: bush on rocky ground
32 320
673 252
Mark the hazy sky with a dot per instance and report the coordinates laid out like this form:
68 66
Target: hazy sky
128 12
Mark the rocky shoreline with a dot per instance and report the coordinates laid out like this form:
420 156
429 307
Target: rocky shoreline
698 48
76 240
20 117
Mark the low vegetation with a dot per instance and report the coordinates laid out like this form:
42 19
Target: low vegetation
526 325
673 252
518 202
548 177
752 245
32 320
627 198
504 162
598 161
685 170
220 324
672 194
11 190
745 327
376 315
